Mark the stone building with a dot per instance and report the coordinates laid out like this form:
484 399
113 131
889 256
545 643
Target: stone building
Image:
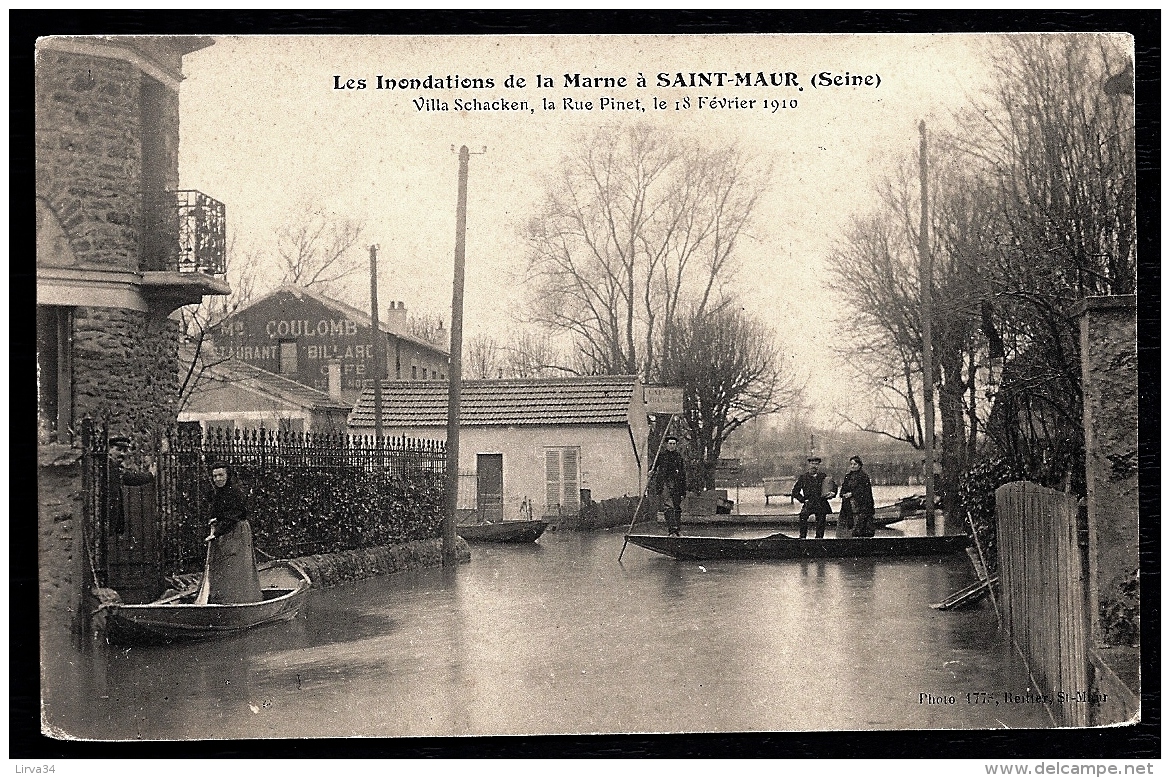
303 335
118 249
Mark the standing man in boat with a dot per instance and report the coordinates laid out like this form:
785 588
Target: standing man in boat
669 474
231 575
810 491
857 499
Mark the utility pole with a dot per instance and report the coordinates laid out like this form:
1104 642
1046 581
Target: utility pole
925 282
456 368
379 346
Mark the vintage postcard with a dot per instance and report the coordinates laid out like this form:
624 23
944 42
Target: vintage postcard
734 383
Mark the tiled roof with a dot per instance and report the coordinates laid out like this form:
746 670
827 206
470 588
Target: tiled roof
502 402
217 372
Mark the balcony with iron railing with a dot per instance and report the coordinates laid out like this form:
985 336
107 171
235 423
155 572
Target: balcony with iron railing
184 249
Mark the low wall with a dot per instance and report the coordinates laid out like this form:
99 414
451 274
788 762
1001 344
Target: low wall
345 566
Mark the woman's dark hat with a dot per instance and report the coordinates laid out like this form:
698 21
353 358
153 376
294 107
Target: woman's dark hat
672 437
814 459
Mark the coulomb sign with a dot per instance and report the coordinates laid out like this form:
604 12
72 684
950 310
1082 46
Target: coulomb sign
663 399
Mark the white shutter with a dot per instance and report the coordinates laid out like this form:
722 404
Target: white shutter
571 479
552 478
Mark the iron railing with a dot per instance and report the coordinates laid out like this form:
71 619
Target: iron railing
186 231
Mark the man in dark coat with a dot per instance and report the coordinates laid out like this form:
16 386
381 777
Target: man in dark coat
669 474
118 476
810 490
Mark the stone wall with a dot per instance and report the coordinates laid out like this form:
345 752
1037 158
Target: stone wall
63 571
88 154
1109 374
125 370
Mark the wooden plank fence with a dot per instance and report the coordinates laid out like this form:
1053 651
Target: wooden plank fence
1042 580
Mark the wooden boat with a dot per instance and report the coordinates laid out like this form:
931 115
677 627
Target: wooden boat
502 531
781 546
285 587
883 517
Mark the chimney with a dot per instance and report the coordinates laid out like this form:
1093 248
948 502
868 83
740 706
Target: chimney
442 336
335 380
396 317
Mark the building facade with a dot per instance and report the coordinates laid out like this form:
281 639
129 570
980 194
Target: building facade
119 246
527 446
230 395
303 335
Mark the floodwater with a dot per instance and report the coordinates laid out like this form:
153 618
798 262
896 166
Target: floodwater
558 637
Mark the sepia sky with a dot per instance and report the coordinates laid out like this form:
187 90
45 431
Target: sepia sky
263 129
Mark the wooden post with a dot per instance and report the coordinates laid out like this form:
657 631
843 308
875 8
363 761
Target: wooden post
379 343
925 288
456 368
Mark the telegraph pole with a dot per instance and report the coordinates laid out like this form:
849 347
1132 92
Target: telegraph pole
925 281
379 346
456 368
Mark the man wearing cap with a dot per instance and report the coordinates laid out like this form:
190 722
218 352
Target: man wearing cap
119 476
810 491
669 474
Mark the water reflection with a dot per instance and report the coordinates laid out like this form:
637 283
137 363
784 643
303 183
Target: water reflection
560 638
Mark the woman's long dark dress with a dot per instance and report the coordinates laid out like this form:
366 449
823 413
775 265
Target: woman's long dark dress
858 510
231 568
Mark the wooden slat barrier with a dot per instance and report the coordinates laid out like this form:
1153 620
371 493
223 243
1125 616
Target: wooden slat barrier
1042 582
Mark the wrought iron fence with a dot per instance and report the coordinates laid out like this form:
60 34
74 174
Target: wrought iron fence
306 493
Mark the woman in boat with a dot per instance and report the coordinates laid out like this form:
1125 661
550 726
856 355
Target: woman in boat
231 575
857 507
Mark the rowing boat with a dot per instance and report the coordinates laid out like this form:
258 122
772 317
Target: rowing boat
503 531
284 584
781 546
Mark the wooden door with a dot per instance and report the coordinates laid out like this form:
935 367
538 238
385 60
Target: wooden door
490 486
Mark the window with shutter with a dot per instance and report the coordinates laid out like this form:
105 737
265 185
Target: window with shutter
552 478
562 480
570 480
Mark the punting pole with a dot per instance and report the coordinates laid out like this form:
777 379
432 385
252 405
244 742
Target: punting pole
646 488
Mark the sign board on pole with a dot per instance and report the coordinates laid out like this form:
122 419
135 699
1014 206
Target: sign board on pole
663 399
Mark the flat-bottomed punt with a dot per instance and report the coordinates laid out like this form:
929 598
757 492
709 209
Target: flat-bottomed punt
503 531
285 587
781 546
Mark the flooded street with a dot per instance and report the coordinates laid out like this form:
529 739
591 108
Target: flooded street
558 637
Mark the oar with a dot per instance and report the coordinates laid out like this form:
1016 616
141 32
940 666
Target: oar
205 585
638 510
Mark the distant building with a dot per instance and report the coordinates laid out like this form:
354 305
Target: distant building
540 440
119 247
300 334
229 395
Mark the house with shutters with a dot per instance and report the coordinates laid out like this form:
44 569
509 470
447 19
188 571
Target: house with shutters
527 444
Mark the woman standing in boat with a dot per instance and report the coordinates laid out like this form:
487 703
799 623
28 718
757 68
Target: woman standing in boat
857 500
231 575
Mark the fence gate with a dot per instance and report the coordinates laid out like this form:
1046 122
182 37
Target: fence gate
121 523
1042 576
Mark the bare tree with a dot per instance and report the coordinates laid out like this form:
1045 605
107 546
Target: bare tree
729 367
636 225
483 357
429 327
199 323
314 247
